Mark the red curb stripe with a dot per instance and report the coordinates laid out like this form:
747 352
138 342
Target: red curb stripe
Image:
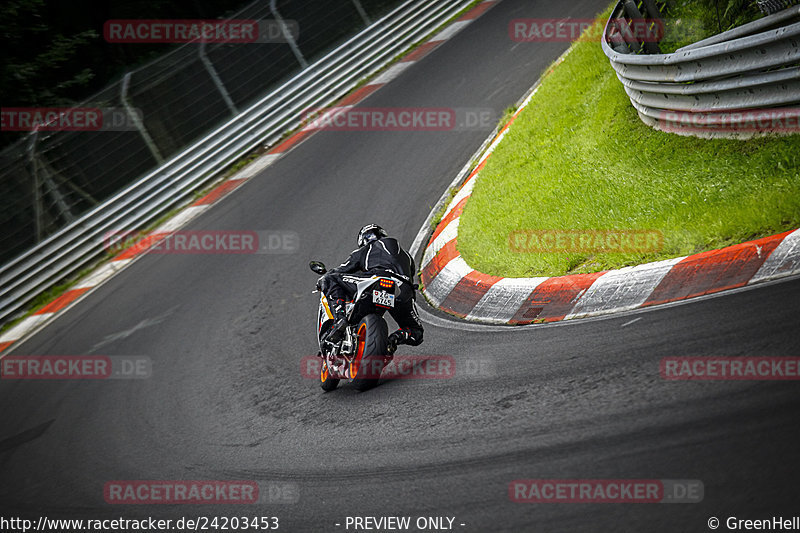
554 298
468 292
713 271
476 170
508 125
359 95
421 51
439 261
62 301
499 133
4 345
476 11
141 246
453 214
291 141
219 191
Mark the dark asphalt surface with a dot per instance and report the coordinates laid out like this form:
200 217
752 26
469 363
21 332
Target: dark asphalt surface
227 400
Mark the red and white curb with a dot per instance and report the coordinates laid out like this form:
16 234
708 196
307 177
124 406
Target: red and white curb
38 319
451 285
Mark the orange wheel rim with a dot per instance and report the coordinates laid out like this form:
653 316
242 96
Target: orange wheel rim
362 341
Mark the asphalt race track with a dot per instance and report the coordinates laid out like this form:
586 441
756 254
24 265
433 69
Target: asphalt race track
226 333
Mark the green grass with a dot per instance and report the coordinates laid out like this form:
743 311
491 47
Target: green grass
578 157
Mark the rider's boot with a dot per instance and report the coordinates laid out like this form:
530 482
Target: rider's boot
340 321
398 337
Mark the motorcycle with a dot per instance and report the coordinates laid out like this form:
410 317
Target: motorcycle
363 352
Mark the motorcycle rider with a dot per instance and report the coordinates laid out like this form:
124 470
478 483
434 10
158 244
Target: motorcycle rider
379 254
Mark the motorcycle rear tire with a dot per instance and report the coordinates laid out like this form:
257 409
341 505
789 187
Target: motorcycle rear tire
367 365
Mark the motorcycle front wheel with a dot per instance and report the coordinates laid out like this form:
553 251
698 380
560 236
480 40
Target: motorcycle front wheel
327 382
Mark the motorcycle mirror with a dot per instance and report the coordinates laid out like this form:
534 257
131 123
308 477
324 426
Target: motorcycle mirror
318 267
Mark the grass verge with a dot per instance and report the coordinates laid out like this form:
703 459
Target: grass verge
579 158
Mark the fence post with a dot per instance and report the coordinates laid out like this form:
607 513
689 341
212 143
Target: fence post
287 34
201 51
137 121
41 176
361 12
37 195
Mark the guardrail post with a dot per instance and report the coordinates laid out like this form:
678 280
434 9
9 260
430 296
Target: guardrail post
137 121
287 35
651 9
636 16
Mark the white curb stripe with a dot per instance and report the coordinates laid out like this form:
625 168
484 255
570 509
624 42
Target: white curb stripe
621 290
102 274
465 191
180 219
449 233
255 167
783 261
391 73
503 299
438 289
451 30
23 327
324 120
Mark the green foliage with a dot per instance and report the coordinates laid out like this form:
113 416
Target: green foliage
36 70
688 21
738 12
54 53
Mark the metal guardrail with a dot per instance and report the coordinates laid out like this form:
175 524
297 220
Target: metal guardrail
739 83
322 82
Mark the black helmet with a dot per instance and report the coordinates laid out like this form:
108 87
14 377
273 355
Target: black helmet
369 233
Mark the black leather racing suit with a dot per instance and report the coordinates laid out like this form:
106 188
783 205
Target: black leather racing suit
382 256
